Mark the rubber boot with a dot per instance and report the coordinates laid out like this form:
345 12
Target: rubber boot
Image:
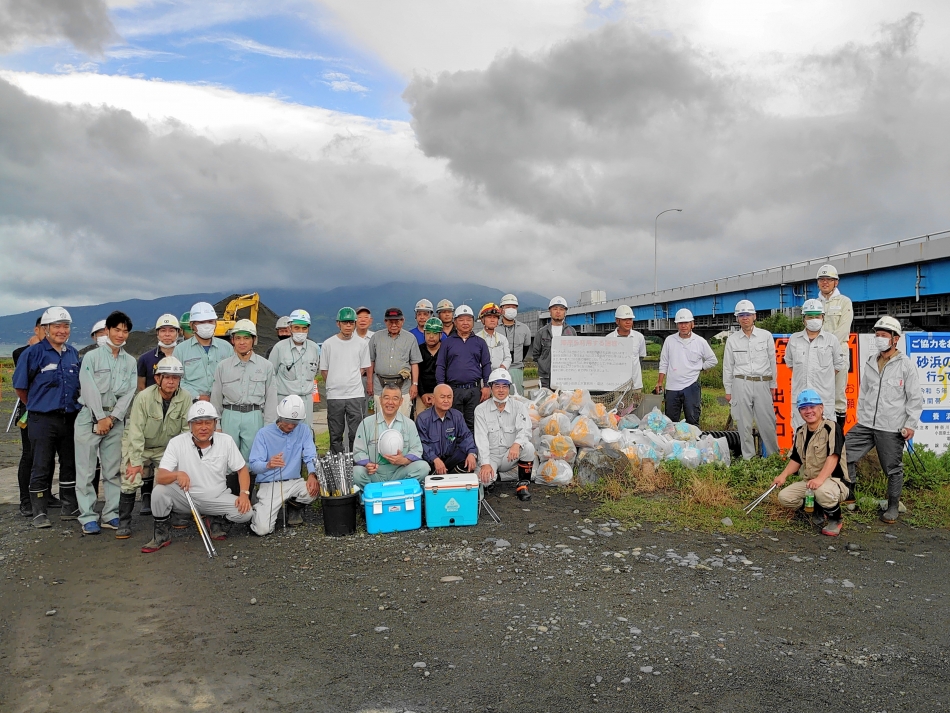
161 537
524 479
819 516
51 500
294 513
841 418
126 506
70 509
834 523
26 509
217 527
38 501
147 485
890 515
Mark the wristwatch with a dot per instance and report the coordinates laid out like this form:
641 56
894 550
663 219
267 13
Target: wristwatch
245 492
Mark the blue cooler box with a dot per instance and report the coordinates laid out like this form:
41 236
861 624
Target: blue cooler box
393 506
451 499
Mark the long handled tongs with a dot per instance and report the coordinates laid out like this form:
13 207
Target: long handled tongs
755 503
915 458
205 537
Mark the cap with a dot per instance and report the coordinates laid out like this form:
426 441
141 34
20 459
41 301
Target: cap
444 305
245 327
346 314
55 315
813 307
558 300
393 313
300 317
683 315
463 310
623 312
433 325
744 307
489 309
509 299
808 397
167 320
282 323
202 411
828 271
423 306
101 324
360 310
202 312
499 376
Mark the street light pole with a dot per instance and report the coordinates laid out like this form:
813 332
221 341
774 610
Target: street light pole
678 210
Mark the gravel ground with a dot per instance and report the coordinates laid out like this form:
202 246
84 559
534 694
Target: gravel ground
549 611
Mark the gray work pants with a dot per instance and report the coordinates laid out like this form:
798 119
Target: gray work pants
166 498
890 451
752 402
344 415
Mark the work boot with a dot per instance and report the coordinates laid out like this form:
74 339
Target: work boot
126 506
38 501
70 508
851 497
51 500
522 491
180 520
890 515
524 478
216 527
147 485
841 418
818 517
26 509
832 528
161 537
294 513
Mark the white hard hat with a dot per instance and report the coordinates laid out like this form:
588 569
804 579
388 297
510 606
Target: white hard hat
423 306
623 312
54 315
202 411
683 315
283 323
101 324
813 307
390 442
828 271
167 320
244 325
509 299
444 305
889 324
300 317
744 307
464 309
499 374
291 408
557 300
170 365
202 312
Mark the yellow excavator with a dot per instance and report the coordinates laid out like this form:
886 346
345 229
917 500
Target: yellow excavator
230 316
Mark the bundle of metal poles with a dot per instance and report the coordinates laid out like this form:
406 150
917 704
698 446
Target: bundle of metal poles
336 474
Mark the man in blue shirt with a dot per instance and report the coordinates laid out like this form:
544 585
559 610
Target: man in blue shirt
423 313
464 364
46 379
448 445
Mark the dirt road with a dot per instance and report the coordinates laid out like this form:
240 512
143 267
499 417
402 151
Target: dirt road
566 615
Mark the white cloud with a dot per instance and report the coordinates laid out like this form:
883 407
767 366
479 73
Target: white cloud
339 82
248 45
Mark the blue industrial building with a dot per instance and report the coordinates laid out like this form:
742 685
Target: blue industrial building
907 279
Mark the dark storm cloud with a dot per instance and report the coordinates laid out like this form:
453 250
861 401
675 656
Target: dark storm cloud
84 23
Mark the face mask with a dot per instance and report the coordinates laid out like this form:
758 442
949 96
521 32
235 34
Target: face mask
163 345
205 331
282 337
813 325
111 343
500 401
102 341
299 337
882 344
511 313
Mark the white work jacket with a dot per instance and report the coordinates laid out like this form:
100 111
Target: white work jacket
890 399
813 364
749 356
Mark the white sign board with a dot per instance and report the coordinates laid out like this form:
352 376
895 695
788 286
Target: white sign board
930 353
593 363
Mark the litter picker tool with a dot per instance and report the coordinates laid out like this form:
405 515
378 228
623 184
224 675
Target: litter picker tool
483 504
13 415
915 459
755 503
205 537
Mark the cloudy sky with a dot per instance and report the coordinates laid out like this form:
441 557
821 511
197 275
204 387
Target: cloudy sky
157 147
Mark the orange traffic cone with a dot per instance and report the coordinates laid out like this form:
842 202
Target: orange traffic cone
316 392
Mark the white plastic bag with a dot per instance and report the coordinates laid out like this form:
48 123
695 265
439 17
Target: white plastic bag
657 422
557 424
557 448
584 432
555 472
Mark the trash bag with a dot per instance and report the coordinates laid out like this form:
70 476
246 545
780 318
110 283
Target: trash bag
714 450
549 406
584 432
599 414
539 396
657 422
533 415
557 424
557 448
629 421
633 455
647 452
595 463
683 431
611 438
685 454
555 472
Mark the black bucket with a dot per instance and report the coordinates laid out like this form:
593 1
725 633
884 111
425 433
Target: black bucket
732 438
339 514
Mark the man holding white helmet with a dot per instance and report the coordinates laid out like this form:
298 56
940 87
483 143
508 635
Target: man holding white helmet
541 349
748 375
244 390
158 414
201 354
279 451
889 407
839 313
624 317
198 462
683 357
46 379
503 436
380 455
107 387
168 331
423 313
464 363
296 362
519 340
814 356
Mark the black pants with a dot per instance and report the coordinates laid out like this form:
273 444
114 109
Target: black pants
344 415
454 463
25 467
51 434
688 400
465 400
890 451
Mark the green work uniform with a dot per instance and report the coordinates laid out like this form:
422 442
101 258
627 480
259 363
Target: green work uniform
106 386
245 395
200 364
149 429
295 367
365 451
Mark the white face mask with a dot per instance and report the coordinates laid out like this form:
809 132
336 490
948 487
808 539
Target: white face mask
205 331
112 344
882 344
500 401
511 313
813 325
299 337
103 341
171 344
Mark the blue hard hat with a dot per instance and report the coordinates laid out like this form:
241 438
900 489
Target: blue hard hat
808 397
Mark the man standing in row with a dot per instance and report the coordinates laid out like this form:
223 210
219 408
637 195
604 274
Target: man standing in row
423 313
447 443
519 340
446 312
683 358
498 347
623 317
344 359
395 357
364 320
814 356
26 450
201 354
429 351
748 375
541 350
168 331
839 313
296 362
46 379
465 364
